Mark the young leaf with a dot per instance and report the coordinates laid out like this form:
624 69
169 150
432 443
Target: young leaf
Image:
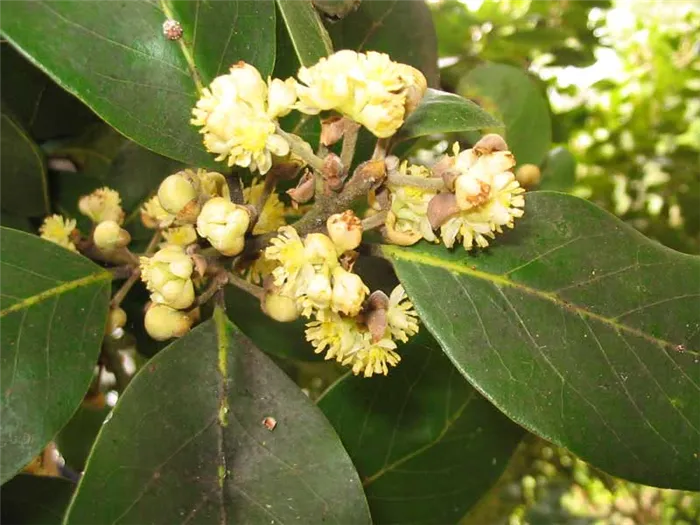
114 57
403 30
309 36
425 443
518 102
441 112
53 307
187 442
580 329
23 183
35 500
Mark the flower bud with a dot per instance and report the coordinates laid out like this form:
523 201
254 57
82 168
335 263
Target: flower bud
400 238
168 276
345 230
416 86
281 96
212 183
154 216
224 224
319 291
176 193
319 249
489 144
163 322
116 319
280 307
471 191
109 236
528 175
349 292
101 205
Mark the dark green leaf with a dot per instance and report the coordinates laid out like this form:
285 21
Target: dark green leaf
15 222
34 500
559 171
427 445
75 440
580 329
308 35
441 112
518 102
52 319
23 184
403 30
44 109
187 443
114 57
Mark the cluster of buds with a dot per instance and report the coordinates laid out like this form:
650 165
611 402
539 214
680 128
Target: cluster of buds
314 278
478 197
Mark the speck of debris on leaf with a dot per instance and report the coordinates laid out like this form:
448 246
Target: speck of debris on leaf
270 423
172 29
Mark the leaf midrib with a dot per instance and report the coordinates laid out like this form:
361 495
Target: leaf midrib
499 280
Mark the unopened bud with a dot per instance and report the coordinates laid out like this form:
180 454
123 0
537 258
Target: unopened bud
176 193
441 208
349 292
224 224
116 319
489 144
528 175
318 249
376 317
333 171
345 230
109 236
163 322
279 307
332 130
305 189
471 191
416 87
319 290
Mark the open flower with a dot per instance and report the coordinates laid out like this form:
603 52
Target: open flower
103 204
349 292
238 118
181 235
402 319
409 222
367 87
58 230
373 357
287 250
153 215
272 215
168 275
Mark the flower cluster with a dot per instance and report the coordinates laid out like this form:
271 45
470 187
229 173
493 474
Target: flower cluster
481 196
312 273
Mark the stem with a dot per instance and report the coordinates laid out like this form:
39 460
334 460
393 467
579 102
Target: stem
121 272
216 284
375 221
268 188
399 179
153 243
352 130
380 149
234 188
121 293
255 291
295 145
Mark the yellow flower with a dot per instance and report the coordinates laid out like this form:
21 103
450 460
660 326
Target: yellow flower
367 87
168 275
272 215
236 121
153 215
181 235
58 230
373 358
409 206
489 196
288 251
103 204
401 316
349 292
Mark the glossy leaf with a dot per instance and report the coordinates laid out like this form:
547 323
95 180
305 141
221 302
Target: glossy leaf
114 57
306 31
441 112
425 443
559 170
403 30
75 440
23 186
186 442
518 102
52 318
580 329
34 500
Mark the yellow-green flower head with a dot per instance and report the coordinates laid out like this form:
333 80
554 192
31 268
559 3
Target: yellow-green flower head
349 292
163 322
401 316
153 215
409 206
272 215
103 204
488 195
58 229
180 235
212 184
109 236
224 224
368 87
177 192
168 276
238 113
287 250
373 357
314 293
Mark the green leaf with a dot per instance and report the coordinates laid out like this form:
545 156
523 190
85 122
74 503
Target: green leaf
53 307
427 445
15 222
114 57
186 442
75 440
403 30
307 32
580 329
35 500
511 94
23 184
441 112
559 171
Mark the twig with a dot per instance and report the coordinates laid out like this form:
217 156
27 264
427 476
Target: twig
255 291
352 130
432 183
233 182
380 149
217 282
121 272
374 221
295 145
121 293
153 243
